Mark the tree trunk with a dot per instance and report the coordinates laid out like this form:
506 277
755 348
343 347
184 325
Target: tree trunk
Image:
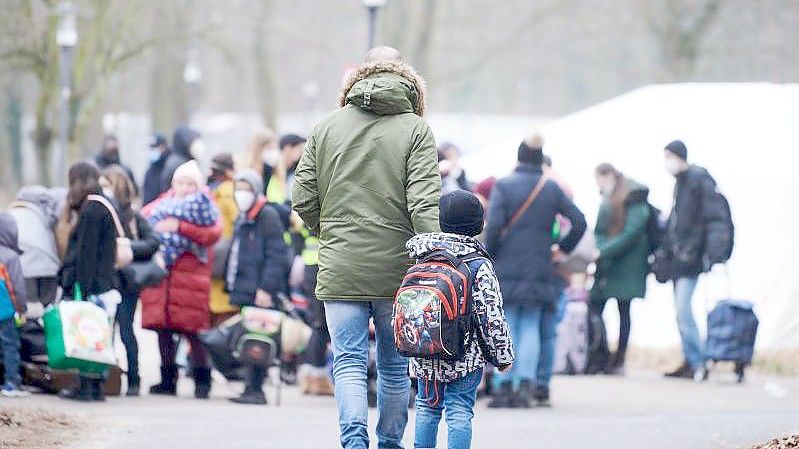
264 72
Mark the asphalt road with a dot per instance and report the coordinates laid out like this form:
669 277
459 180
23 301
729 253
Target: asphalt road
641 410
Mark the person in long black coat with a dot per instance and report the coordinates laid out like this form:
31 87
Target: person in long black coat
524 256
696 209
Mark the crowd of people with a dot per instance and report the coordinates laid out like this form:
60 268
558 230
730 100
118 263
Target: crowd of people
328 225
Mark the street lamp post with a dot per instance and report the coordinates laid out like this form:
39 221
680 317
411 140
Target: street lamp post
373 6
192 76
67 39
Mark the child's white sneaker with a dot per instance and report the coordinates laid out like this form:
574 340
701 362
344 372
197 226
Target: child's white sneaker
13 391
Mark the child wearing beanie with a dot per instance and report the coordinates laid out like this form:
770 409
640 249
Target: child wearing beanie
189 202
450 387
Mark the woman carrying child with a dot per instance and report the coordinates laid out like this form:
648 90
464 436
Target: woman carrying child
187 225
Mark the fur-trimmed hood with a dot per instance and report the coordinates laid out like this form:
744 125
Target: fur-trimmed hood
385 87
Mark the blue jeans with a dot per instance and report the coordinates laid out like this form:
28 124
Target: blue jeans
9 340
456 399
348 322
532 328
689 334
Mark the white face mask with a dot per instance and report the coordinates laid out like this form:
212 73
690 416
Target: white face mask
244 199
197 148
673 166
108 192
155 154
271 157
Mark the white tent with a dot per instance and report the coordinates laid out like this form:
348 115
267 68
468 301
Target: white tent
746 134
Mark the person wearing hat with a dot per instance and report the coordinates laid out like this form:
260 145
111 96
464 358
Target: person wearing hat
187 225
519 237
684 246
220 181
257 265
156 156
450 387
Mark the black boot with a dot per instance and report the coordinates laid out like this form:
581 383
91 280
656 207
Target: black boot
541 396
250 396
98 394
523 397
202 382
503 396
615 366
169 382
82 393
133 385
684 371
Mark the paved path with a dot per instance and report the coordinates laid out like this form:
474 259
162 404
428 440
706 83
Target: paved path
639 411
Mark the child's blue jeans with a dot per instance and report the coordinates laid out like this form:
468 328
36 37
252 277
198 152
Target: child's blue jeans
456 400
9 340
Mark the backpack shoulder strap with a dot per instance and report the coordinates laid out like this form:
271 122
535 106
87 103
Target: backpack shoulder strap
110 207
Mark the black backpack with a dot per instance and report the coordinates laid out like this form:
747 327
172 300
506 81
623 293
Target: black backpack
433 308
719 229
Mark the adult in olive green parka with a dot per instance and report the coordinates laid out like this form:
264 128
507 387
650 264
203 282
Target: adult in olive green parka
367 182
622 265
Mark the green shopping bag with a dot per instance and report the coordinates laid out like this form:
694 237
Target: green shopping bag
78 336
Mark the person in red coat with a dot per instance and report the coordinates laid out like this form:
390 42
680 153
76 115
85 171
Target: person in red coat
179 304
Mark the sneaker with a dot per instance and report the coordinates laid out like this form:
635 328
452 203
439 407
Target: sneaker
541 396
13 391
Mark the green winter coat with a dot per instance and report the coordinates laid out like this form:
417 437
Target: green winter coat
623 264
368 181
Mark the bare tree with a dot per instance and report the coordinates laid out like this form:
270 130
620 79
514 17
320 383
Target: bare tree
679 27
110 37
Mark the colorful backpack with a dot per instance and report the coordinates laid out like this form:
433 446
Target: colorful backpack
7 297
433 308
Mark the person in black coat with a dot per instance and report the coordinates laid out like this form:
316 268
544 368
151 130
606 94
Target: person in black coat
109 155
684 246
159 150
257 265
524 254
90 257
184 141
144 244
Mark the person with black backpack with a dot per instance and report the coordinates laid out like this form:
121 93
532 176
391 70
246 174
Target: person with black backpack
623 250
448 317
699 234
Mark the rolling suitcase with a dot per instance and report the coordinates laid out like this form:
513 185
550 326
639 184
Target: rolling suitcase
731 333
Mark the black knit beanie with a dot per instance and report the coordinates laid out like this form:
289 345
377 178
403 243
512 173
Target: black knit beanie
678 149
461 213
530 155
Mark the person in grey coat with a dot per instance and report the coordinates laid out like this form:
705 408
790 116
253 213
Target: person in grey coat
36 210
524 252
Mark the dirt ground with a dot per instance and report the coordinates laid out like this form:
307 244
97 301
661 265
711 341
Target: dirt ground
789 442
36 428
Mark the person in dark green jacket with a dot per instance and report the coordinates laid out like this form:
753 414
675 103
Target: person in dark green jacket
367 182
622 260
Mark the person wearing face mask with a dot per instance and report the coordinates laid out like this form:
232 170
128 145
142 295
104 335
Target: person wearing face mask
684 245
621 259
257 265
156 156
263 156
